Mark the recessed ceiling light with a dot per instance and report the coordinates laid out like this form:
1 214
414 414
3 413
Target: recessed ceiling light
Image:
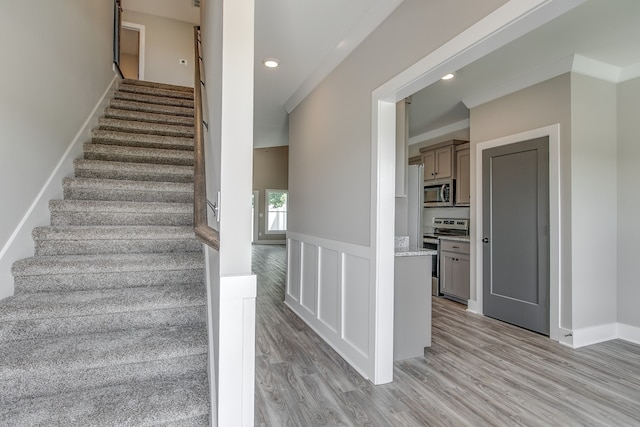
270 63
448 77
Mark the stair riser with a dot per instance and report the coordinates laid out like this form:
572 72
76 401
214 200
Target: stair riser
145 90
141 140
134 175
123 114
124 195
94 247
152 108
175 102
150 130
146 83
32 385
113 280
178 161
104 323
120 218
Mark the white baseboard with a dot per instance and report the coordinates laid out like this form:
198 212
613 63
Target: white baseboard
601 333
20 244
269 242
629 333
472 306
565 337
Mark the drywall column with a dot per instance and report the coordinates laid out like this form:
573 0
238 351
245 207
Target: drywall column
227 39
628 209
593 209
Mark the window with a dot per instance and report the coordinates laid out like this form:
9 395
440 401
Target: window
276 211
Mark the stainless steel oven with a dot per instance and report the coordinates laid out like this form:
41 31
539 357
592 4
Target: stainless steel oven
442 227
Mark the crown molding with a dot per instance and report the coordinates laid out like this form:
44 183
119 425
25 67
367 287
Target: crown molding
437 133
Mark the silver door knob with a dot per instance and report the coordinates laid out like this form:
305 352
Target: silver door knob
485 240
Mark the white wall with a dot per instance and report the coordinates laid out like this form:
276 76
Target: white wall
330 131
166 42
628 203
53 74
593 218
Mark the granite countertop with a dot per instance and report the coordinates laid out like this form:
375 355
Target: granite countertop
402 248
407 251
455 238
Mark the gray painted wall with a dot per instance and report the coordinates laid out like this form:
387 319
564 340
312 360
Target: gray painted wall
53 75
628 202
166 42
537 106
330 131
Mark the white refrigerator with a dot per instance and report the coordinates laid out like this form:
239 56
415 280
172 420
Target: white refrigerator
415 204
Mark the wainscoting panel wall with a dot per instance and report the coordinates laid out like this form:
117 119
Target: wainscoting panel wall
329 287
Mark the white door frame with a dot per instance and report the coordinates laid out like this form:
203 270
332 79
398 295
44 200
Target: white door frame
508 22
553 132
141 45
256 215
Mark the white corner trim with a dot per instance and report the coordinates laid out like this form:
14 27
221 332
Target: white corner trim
372 18
436 133
597 69
630 72
566 337
142 45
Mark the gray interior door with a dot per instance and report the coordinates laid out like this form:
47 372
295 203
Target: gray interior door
515 200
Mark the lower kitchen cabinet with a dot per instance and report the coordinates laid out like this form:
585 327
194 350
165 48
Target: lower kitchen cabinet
455 270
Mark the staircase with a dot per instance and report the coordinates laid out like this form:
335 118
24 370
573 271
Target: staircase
108 322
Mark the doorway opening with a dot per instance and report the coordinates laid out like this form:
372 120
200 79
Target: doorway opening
132 49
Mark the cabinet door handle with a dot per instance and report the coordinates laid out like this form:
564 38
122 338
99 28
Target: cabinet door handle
456 247
485 240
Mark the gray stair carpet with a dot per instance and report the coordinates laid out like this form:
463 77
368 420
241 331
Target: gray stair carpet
107 326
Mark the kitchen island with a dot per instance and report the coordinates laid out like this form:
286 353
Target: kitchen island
412 300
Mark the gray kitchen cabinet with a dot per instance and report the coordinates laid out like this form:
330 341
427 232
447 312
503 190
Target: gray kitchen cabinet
438 163
455 270
463 175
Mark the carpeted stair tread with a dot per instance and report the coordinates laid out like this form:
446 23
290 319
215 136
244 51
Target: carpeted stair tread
127 190
99 350
156 85
159 401
90 240
104 263
150 99
156 91
51 327
29 385
92 212
145 107
132 171
43 305
101 136
141 116
117 153
106 123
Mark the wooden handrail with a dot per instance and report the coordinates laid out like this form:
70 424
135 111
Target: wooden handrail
206 234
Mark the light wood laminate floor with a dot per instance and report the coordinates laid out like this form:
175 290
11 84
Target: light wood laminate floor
478 372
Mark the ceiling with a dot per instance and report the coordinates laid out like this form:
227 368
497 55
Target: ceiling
600 38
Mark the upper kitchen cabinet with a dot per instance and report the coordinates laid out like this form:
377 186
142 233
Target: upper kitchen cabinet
439 160
463 175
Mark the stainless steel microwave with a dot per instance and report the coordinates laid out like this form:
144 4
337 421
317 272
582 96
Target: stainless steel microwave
438 193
